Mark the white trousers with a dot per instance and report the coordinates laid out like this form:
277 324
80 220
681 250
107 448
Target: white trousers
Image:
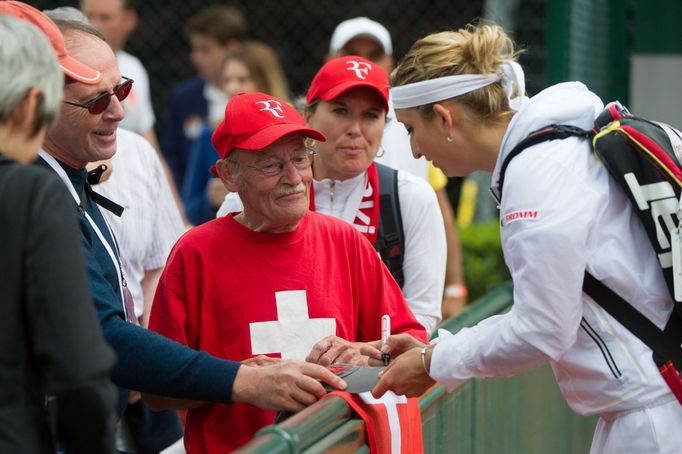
651 430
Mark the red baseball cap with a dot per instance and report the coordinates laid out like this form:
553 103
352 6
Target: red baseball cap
254 121
343 73
73 69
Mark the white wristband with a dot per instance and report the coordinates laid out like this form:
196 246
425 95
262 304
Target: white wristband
456 291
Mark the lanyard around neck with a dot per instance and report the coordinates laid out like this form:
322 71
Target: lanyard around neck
52 162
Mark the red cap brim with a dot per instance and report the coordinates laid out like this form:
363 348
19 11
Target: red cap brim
268 136
73 69
338 90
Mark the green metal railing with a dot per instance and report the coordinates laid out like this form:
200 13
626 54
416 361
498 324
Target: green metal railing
522 414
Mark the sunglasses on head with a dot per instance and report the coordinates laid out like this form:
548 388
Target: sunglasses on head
100 103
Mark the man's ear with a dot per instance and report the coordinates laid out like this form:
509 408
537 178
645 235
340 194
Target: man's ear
447 117
229 180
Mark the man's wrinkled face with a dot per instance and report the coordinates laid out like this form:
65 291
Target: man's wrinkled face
79 135
279 200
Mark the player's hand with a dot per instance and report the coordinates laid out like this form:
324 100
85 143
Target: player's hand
333 349
404 376
286 386
397 344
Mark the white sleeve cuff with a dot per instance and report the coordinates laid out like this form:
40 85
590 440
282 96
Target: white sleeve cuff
442 335
450 360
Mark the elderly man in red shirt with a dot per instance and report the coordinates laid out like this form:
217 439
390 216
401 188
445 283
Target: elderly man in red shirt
275 278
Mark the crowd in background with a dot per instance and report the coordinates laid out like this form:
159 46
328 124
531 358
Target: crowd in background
167 185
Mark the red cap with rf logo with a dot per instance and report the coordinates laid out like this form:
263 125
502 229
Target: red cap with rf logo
254 121
341 74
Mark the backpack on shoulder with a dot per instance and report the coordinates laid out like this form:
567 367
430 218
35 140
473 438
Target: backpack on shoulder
390 242
644 158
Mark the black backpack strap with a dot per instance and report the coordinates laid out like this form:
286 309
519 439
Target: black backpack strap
391 238
664 343
673 331
551 132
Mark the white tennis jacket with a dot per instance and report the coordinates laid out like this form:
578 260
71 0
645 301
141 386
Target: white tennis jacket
561 214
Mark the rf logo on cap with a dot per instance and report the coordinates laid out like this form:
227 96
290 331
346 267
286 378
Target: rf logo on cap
272 106
360 67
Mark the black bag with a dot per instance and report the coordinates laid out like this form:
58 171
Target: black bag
641 156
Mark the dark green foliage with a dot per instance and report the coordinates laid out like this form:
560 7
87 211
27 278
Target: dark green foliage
482 259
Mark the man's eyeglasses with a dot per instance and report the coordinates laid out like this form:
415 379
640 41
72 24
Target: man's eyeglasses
100 103
302 160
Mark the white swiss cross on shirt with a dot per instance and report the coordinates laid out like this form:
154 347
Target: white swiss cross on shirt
390 402
294 334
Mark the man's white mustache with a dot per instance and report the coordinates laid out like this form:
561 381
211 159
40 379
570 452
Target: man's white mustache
289 190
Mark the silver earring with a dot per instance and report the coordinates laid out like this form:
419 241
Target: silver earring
449 139
381 152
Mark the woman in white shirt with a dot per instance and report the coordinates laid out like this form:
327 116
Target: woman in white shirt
347 101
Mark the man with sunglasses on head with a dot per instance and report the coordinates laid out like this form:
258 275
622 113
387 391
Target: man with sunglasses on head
86 131
275 278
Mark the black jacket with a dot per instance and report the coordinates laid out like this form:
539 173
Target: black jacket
50 338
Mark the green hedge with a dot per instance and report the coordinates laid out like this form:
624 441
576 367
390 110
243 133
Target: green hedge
482 258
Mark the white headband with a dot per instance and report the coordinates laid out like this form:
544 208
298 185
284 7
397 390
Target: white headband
441 88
